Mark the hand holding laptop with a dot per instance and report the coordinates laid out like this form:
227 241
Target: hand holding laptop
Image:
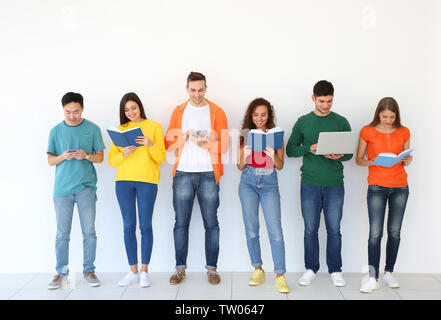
333 145
331 156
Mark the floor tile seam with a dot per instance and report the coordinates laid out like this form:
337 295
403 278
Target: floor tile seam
341 293
122 293
14 294
67 296
231 285
177 291
19 289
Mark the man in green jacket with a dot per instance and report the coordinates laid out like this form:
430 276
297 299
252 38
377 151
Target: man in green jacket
321 184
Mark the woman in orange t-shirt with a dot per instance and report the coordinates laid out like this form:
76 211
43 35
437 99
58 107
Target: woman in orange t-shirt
386 184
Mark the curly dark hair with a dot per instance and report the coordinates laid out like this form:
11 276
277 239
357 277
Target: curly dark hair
248 124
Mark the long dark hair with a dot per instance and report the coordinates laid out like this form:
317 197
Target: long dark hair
131 96
390 104
248 124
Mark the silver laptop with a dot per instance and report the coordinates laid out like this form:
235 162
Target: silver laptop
337 142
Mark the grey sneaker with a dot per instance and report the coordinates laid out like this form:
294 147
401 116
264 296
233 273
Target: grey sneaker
92 279
57 282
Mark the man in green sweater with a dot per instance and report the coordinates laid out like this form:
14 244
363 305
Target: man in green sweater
322 183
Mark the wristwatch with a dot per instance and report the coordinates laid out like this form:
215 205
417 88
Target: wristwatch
87 157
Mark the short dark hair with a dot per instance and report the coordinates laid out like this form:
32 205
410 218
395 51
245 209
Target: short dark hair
131 96
72 97
196 76
323 88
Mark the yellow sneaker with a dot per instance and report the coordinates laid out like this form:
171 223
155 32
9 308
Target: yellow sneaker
257 278
281 284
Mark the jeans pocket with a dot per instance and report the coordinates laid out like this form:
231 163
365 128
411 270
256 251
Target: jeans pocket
245 170
272 178
179 173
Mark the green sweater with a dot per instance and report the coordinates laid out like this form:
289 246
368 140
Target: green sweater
317 170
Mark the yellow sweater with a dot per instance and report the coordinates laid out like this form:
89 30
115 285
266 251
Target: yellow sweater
144 163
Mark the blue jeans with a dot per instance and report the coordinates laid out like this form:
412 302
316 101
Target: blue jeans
313 200
261 186
127 193
377 198
64 206
185 186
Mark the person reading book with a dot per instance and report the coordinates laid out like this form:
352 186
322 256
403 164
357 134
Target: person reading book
137 180
258 185
386 185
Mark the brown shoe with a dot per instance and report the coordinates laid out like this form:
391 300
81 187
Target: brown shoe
177 277
92 279
213 277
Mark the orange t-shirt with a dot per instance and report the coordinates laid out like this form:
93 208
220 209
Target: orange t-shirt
378 142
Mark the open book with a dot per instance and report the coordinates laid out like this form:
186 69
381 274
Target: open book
259 140
125 138
387 159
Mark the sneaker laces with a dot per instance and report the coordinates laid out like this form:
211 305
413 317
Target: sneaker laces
178 273
91 275
56 278
281 278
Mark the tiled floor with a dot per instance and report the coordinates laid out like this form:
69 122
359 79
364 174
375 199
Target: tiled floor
234 286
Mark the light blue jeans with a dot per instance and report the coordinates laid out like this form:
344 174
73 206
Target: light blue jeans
64 206
261 186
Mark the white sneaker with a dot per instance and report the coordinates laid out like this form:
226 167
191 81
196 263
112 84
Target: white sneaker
369 285
144 280
337 279
390 281
307 278
129 278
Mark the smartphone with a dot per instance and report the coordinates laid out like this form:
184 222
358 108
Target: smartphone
71 151
203 134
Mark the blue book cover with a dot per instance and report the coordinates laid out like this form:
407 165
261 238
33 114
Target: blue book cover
387 159
125 138
259 140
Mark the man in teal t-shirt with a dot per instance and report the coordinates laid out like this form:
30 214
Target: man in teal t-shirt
322 183
74 145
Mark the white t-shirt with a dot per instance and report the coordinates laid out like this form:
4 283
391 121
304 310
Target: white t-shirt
194 158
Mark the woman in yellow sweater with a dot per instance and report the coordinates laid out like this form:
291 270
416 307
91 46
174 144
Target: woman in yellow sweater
137 178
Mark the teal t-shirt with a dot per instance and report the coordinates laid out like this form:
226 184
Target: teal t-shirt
74 175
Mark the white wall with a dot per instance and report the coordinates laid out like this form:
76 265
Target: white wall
368 49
